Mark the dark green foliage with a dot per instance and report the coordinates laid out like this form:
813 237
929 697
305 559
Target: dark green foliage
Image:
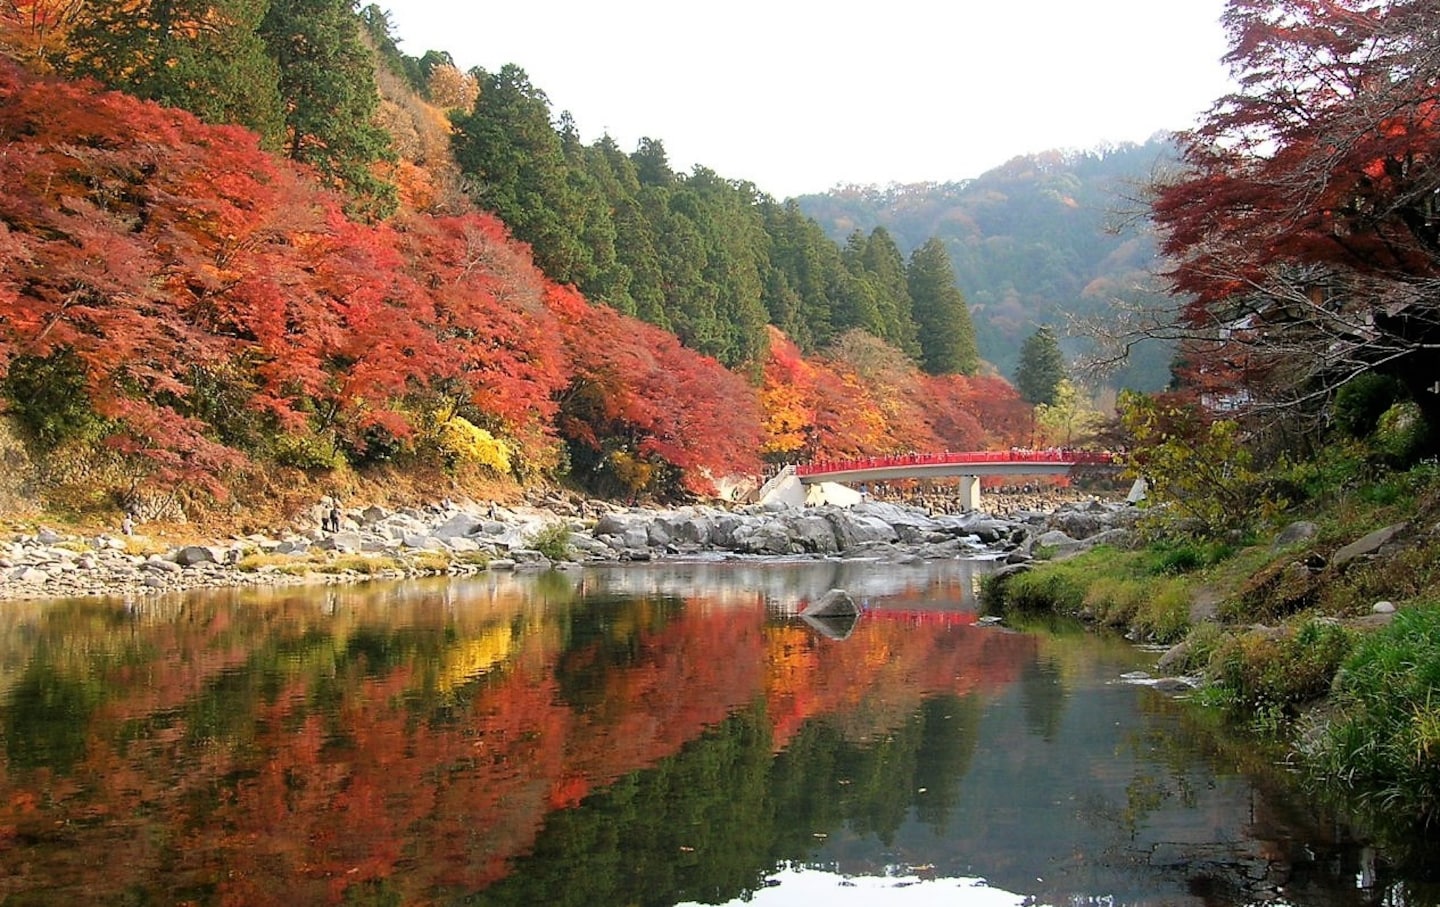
221 398
947 338
704 823
203 56
515 165
49 398
45 716
1041 368
878 295
711 260
553 541
859 308
720 312
1402 434
808 279
327 81
1361 402
1052 589
882 260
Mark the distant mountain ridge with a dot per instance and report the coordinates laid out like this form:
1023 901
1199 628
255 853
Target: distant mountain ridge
1042 239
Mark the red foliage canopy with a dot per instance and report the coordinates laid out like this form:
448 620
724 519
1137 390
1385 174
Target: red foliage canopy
1304 231
636 385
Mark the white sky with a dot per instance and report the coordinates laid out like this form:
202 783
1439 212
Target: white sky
798 96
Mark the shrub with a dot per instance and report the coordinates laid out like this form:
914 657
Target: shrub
1200 469
430 561
1113 600
1200 644
1338 466
1360 402
307 451
1051 589
462 443
552 540
48 397
1401 434
1274 671
367 565
1170 556
1164 613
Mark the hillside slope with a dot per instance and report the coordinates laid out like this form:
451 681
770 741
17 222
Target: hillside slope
1042 240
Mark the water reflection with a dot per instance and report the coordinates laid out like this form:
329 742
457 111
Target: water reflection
646 735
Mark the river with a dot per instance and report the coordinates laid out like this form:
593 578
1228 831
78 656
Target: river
654 734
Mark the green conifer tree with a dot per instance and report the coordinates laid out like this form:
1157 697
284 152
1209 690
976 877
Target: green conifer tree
1041 367
327 82
883 260
947 336
205 56
514 162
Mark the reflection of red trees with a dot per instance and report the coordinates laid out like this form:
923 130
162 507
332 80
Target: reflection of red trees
894 658
347 773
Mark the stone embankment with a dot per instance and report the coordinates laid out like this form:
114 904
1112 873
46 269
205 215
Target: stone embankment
463 538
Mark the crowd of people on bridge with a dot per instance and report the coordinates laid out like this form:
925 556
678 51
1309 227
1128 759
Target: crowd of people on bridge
1058 455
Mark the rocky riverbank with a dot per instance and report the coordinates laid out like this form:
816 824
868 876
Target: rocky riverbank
467 537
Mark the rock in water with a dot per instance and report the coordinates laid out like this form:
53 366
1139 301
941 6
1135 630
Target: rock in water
835 603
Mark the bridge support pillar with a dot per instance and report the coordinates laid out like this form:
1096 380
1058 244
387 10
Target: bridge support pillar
970 492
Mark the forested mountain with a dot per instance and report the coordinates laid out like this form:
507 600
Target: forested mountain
1042 240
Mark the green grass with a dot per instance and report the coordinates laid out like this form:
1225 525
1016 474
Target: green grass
1134 591
1384 739
1272 672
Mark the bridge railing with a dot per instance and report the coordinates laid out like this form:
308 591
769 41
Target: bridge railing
950 458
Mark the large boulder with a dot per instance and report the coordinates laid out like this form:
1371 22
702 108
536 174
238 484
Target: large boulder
1366 545
687 529
763 537
722 529
813 533
1299 531
1077 524
191 555
373 514
612 524
658 535
854 528
834 603
458 526
346 542
1056 540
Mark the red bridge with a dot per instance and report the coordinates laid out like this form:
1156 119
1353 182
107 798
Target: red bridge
969 466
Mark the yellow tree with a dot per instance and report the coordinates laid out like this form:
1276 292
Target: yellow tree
1069 421
36 30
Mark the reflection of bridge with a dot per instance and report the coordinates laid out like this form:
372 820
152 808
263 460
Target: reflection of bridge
968 466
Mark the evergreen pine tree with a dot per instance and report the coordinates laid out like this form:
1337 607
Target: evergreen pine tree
327 83
514 162
860 307
947 336
886 265
205 56
1041 367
